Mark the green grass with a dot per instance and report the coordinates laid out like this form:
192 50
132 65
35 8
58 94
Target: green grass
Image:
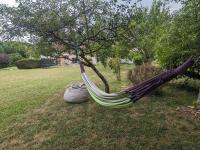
33 115
21 90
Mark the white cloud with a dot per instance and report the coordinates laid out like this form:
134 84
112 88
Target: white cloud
9 2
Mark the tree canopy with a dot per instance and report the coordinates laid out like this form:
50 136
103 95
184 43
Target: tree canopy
146 27
77 24
182 38
71 22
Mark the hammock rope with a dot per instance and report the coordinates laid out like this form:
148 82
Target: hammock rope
128 96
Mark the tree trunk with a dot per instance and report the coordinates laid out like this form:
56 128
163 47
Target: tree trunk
107 88
198 99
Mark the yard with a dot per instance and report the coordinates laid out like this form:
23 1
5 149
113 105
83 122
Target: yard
34 115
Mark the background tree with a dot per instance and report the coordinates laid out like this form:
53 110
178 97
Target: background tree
77 24
17 50
112 55
182 39
146 28
47 49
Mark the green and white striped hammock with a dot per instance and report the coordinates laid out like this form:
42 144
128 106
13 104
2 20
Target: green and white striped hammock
132 94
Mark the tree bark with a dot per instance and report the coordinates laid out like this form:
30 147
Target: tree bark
107 88
198 99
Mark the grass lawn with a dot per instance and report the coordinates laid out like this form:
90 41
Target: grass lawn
33 115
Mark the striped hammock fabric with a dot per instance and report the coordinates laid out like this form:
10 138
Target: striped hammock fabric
132 94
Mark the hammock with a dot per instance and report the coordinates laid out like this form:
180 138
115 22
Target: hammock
132 94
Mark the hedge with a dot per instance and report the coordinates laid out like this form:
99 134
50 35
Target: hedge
28 64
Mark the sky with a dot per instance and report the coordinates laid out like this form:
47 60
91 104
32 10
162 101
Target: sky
9 2
174 6
146 3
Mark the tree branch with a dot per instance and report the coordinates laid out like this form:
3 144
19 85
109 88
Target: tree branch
107 89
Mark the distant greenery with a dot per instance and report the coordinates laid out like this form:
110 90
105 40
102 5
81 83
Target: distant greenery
17 50
136 57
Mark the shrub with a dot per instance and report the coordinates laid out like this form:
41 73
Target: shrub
4 60
28 64
47 62
114 64
14 57
136 57
142 73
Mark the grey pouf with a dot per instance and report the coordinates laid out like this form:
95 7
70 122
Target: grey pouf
76 93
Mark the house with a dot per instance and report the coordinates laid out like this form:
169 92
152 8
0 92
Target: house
66 59
69 57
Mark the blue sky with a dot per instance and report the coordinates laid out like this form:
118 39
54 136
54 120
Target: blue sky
173 5
146 3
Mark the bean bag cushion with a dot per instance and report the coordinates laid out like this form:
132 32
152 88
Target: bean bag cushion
76 93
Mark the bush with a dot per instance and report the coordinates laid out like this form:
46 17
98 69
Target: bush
136 57
28 64
47 62
142 73
14 57
4 60
114 64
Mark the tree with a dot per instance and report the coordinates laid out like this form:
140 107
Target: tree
77 24
112 55
198 99
182 39
118 51
46 49
147 27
